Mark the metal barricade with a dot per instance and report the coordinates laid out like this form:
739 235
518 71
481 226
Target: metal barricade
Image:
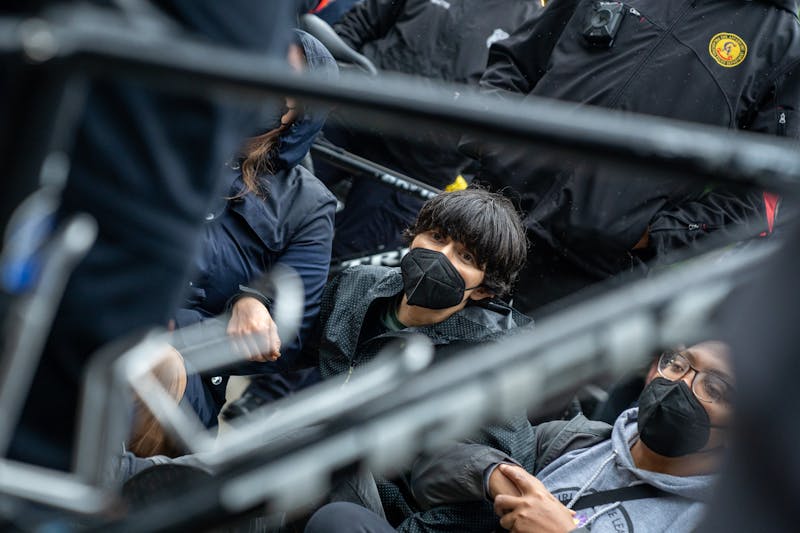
385 420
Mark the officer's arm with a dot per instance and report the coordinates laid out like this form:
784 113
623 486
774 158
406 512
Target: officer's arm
514 67
368 21
738 214
778 112
517 63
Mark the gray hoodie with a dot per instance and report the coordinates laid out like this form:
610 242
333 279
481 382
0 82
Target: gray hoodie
609 465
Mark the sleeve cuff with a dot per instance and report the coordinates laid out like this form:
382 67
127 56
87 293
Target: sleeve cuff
487 473
253 293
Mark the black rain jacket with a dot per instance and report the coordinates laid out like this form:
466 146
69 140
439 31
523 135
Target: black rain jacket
445 40
729 63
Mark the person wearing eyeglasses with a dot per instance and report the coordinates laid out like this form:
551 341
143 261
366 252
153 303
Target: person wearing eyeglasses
653 470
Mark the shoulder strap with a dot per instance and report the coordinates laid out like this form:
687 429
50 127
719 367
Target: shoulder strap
634 492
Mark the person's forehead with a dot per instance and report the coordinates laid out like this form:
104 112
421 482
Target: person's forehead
711 355
427 235
459 245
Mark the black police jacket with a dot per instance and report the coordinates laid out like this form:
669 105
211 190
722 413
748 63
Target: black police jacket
445 40
730 63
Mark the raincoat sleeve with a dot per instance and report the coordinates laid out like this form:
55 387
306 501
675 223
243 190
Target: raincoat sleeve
516 64
368 21
454 475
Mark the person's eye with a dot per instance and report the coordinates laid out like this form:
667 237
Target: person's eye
714 390
437 236
677 365
468 257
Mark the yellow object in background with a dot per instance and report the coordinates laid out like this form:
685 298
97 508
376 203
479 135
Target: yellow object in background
459 184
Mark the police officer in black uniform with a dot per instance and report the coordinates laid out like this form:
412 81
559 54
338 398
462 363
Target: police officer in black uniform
727 63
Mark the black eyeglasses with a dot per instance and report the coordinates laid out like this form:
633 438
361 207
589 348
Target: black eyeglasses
707 386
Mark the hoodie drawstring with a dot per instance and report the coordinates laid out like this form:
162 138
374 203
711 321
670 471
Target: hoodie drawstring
586 485
591 480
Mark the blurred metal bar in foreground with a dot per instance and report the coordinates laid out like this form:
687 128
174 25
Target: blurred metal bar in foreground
77 39
31 316
595 339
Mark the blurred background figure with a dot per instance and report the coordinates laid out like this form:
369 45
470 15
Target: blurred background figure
332 10
145 164
761 477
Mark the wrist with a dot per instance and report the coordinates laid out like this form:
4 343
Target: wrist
487 481
245 291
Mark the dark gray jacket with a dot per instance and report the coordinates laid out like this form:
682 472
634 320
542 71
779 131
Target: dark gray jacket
456 473
444 491
349 301
575 458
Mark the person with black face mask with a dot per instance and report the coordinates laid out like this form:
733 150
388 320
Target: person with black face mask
652 471
672 420
466 248
274 212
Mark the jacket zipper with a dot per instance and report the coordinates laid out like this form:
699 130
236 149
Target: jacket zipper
614 101
355 360
691 226
782 124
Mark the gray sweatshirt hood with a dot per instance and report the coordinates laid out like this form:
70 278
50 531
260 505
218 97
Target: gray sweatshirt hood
623 436
609 465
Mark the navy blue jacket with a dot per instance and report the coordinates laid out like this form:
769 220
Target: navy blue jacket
288 222
245 237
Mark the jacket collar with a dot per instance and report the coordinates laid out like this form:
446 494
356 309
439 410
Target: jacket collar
479 321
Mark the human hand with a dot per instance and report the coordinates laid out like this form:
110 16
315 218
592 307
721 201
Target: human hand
536 510
500 484
253 330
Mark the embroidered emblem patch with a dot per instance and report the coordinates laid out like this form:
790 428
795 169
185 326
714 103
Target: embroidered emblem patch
727 49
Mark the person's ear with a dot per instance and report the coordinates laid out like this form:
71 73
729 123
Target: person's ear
481 293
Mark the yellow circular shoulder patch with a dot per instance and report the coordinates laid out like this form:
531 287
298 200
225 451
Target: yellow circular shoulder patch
727 49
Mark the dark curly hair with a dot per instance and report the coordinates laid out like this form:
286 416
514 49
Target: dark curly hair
487 224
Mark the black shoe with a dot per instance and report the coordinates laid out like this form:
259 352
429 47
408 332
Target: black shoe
244 405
